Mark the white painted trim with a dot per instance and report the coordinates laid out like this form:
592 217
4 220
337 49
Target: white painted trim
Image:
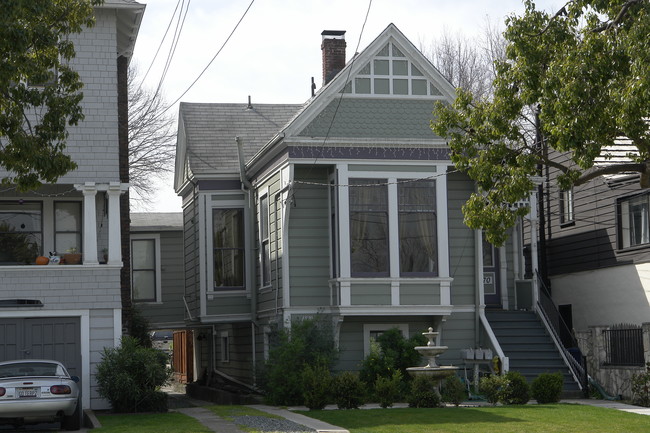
158 265
442 220
286 214
344 224
505 361
89 190
114 191
205 272
369 327
503 276
478 251
117 326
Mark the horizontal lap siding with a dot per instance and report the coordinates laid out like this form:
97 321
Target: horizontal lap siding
191 251
309 239
419 294
240 366
172 309
370 294
457 333
228 304
269 297
461 241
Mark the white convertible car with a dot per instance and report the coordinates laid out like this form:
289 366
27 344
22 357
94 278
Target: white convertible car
35 391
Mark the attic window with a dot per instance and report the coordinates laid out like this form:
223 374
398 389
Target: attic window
391 73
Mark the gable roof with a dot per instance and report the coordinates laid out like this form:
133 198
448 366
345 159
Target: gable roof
210 131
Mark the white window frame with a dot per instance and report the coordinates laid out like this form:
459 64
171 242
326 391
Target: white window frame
374 327
224 345
392 177
209 235
625 229
567 209
263 257
158 266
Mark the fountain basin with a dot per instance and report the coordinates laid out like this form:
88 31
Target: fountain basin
435 372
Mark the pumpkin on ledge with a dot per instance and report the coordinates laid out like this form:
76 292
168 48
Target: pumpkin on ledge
42 260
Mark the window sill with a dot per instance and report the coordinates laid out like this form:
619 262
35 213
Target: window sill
632 249
567 224
416 280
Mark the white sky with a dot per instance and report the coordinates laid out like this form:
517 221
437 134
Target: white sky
276 48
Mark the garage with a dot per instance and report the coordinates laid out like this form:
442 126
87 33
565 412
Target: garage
55 338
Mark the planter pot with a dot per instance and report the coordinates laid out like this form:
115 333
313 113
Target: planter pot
72 258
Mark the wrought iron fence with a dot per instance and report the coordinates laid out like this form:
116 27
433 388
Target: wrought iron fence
624 345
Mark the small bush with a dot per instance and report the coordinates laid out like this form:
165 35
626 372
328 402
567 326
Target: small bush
308 342
423 392
316 384
453 390
348 391
129 377
388 390
547 387
516 389
491 387
641 387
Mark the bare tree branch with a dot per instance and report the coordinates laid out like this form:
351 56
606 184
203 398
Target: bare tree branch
152 138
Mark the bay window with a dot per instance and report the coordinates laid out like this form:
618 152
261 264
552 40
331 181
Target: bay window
369 227
228 248
418 249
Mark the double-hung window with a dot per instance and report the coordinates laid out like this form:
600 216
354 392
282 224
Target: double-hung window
369 227
145 269
228 248
265 246
418 249
634 221
411 230
566 206
67 226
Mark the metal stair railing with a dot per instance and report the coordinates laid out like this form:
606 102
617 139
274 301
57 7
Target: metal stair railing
563 336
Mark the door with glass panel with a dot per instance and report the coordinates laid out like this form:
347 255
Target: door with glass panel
491 286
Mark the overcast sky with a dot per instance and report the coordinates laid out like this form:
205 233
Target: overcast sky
276 49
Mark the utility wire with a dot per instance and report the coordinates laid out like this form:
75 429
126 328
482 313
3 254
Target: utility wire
172 49
171 20
213 58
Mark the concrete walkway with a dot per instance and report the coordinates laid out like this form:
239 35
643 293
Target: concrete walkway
611 405
210 420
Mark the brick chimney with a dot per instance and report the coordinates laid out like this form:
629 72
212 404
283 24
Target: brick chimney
333 48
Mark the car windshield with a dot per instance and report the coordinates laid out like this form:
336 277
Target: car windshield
31 369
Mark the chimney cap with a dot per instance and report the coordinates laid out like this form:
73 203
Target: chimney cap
333 34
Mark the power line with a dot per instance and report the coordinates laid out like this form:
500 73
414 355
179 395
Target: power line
213 58
172 49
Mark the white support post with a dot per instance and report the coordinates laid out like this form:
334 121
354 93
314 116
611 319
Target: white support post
114 229
89 190
533 247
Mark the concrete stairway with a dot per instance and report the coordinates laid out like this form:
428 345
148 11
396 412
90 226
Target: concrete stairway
531 350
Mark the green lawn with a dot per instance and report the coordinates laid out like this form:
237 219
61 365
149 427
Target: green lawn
559 418
150 423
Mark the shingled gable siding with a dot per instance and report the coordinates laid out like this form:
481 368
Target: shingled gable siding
374 118
309 239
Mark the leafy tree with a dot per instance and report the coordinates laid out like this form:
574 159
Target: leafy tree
40 93
571 83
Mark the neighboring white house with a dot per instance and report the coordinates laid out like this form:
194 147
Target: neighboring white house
71 312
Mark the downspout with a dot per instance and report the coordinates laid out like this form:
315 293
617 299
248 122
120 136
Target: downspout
247 188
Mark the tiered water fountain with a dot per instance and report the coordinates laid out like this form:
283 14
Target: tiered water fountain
431 351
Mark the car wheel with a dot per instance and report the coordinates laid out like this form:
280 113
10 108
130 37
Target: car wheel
73 422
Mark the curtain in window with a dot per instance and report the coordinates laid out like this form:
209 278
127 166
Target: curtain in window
228 248
639 221
369 227
417 227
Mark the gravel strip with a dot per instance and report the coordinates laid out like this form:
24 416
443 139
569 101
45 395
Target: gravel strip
266 424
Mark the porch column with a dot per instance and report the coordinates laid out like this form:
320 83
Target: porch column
114 230
89 191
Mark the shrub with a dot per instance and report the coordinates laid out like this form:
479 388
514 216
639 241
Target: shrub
547 387
423 392
129 377
316 384
516 389
453 390
348 390
308 342
491 387
641 387
391 352
388 390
